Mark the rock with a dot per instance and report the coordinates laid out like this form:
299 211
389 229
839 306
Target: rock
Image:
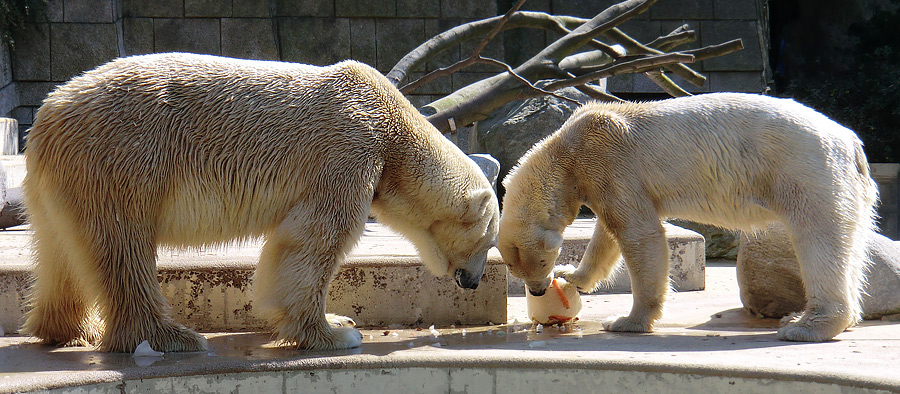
770 284
768 274
720 243
514 128
882 296
489 166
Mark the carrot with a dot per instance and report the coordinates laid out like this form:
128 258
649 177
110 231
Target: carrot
558 318
562 294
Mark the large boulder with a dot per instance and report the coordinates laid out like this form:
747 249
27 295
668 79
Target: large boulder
770 283
514 128
721 243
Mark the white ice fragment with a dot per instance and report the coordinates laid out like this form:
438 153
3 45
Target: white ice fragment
145 356
144 350
537 344
464 332
539 328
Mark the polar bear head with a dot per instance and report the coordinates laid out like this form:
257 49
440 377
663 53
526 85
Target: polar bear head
541 200
529 249
459 246
448 210
450 244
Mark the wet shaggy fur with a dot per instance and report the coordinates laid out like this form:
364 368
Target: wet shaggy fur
731 160
188 150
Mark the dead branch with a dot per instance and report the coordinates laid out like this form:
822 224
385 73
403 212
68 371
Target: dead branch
631 66
577 58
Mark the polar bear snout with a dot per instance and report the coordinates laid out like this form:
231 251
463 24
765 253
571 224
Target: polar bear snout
467 280
536 293
538 288
469 276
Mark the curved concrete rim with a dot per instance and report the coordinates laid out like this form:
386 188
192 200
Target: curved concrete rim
578 366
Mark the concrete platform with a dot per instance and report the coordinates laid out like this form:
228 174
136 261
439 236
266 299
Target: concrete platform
381 284
705 343
209 289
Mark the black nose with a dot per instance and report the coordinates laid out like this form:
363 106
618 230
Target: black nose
466 279
537 293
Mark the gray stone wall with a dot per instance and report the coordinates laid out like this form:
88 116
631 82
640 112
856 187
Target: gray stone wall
715 21
9 97
79 35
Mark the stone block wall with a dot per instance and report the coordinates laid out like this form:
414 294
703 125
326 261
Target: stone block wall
716 21
9 96
79 35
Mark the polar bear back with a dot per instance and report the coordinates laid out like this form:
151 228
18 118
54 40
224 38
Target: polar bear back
237 142
733 150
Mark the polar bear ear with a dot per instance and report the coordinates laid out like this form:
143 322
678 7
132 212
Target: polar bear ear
478 204
551 240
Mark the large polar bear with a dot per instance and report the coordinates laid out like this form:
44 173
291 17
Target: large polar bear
187 150
732 160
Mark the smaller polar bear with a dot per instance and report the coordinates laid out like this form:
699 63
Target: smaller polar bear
187 150
732 160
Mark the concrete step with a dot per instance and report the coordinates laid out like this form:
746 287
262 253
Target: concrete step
381 284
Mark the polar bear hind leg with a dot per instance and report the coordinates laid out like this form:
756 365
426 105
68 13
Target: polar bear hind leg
129 295
829 229
830 249
60 311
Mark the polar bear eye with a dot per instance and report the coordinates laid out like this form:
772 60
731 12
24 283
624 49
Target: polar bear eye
514 252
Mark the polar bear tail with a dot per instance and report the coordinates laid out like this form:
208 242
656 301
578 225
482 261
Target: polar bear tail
862 167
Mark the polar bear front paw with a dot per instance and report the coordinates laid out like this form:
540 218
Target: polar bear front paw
346 337
562 271
626 324
573 276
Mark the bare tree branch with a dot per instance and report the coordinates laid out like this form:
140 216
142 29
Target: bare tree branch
525 81
716 50
477 29
631 66
474 58
597 94
667 85
682 35
566 62
635 47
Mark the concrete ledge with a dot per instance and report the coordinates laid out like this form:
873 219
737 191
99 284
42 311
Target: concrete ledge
211 289
687 259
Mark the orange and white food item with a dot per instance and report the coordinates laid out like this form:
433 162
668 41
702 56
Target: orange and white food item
560 304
